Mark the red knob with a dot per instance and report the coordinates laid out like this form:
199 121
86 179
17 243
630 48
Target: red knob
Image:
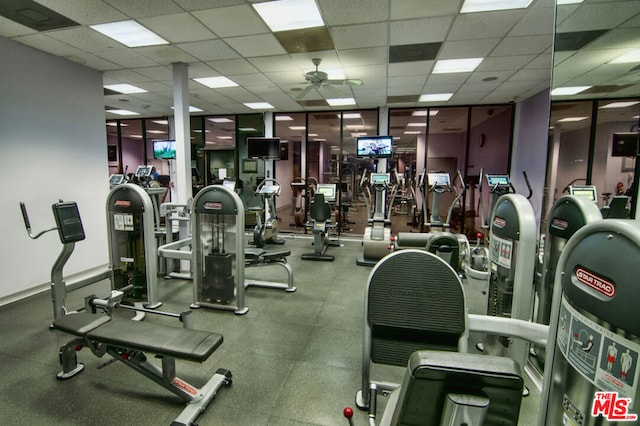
348 412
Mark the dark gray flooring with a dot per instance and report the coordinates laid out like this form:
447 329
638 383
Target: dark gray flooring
295 357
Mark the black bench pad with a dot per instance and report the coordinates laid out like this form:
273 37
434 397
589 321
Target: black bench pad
176 342
254 254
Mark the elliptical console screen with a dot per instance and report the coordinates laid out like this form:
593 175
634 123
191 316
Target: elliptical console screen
588 191
498 180
143 171
379 178
328 190
116 179
439 179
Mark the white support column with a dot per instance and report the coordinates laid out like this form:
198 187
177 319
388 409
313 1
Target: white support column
182 131
383 120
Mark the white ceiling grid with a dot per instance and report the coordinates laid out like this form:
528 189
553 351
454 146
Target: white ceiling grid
228 38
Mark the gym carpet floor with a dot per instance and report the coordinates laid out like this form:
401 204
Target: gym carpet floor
295 357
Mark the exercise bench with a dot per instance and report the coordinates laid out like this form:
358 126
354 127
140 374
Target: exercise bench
127 341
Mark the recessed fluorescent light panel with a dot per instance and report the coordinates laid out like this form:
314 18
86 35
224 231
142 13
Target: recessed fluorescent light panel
412 132
160 121
284 118
122 112
220 120
471 6
341 101
416 124
423 113
350 115
619 104
435 97
571 119
285 15
631 56
124 88
259 105
569 90
215 82
129 33
297 127
446 66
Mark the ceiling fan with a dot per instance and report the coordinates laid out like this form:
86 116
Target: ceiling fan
319 79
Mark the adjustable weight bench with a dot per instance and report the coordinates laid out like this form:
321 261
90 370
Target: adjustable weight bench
127 341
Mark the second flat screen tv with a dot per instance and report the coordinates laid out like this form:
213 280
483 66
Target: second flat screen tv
373 146
268 148
164 149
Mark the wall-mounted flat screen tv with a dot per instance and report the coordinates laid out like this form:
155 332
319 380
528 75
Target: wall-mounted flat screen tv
164 149
374 146
624 144
267 148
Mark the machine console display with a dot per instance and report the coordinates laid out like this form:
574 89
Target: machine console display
498 180
116 179
143 171
439 179
380 178
328 190
588 191
229 184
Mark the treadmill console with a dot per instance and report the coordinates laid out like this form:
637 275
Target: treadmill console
116 179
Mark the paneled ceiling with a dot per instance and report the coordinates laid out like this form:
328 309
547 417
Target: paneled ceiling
228 38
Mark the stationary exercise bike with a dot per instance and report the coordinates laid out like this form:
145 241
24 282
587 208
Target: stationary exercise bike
266 232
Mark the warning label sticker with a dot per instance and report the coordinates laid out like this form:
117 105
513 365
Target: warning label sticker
501 251
607 360
123 221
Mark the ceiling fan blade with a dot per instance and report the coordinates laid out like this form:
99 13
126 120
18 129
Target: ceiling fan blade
304 92
349 81
333 90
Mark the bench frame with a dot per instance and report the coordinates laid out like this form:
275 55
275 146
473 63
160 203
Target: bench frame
196 399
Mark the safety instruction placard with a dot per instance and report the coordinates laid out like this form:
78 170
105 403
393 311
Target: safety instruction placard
607 360
123 221
501 251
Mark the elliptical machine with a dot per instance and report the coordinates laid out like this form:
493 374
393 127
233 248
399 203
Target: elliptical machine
266 232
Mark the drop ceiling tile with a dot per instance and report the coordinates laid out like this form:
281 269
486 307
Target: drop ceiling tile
286 77
419 68
178 28
532 75
9 29
47 44
256 45
408 9
478 76
426 30
599 16
251 80
191 5
618 39
156 73
127 58
210 50
472 26
358 36
144 8
450 80
468 48
531 45
361 57
273 63
305 40
233 67
92 61
340 12
123 76
505 63
86 12
232 21
542 61
415 82
85 38
166 54
537 20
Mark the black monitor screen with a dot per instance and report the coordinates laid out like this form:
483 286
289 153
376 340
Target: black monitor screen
268 148
374 146
164 150
624 145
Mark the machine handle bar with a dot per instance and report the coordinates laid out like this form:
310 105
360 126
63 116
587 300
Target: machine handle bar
27 223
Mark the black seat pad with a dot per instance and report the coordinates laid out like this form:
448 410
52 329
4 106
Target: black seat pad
176 342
